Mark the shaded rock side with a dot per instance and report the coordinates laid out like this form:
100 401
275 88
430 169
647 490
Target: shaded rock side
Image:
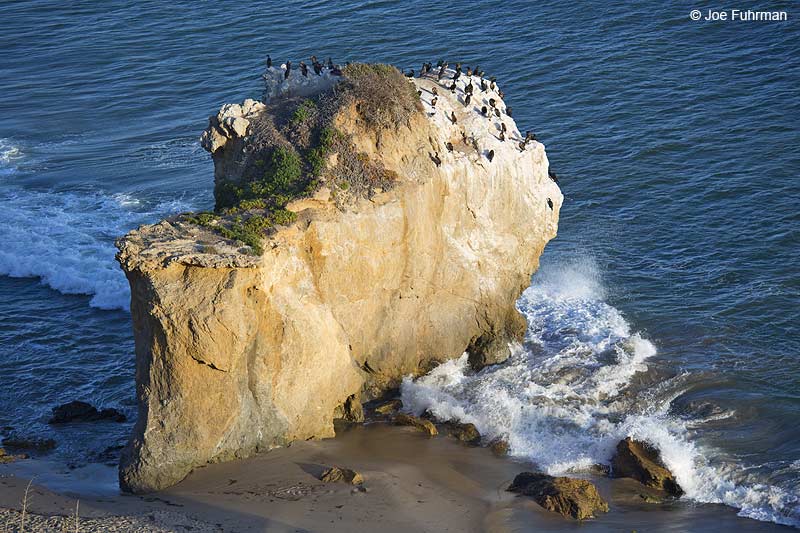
238 353
575 498
642 462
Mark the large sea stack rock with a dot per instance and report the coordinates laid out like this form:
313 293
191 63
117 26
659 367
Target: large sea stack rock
237 353
575 498
642 462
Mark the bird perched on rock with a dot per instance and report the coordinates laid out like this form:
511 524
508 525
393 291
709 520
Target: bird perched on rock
550 204
304 69
410 74
503 127
492 102
469 88
269 62
467 100
484 111
330 64
435 91
502 136
490 155
288 70
508 111
442 70
453 87
419 93
436 159
434 100
522 146
552 175
483 85
453 117
317 66
497 112
469 71
449 146
456 75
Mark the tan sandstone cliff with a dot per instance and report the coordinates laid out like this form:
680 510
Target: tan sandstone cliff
237 353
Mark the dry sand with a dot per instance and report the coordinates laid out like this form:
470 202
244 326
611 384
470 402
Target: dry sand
412 483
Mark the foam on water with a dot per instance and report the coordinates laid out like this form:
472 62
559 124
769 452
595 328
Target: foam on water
564 399
67 238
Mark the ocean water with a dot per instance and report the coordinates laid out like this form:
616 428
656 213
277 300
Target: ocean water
667 308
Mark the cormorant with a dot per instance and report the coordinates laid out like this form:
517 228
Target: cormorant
497 112
436 159
469 88
288 69
435 91
449 146
550 204
483 85
469 71
453 117
330 64
552 175
522 146
491 102
467 100
419 93
484 111
456 75
441 72
434 100
269 62
502 136
410 74
503 127
453 87
508 111
490 155
304 69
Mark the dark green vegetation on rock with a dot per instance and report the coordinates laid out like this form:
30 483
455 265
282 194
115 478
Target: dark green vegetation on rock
575 498
293 148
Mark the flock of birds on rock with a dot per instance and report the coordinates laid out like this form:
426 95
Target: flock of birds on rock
440 74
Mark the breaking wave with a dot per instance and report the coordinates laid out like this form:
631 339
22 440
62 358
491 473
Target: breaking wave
565 397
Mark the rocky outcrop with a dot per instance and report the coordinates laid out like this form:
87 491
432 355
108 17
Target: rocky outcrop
642 462
575 498
238 353
421 424
465 432
77 411
6 458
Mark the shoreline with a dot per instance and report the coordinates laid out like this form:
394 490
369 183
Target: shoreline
413 483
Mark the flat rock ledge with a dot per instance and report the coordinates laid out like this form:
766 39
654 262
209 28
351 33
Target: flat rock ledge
573 498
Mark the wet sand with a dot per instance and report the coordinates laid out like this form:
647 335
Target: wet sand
412 483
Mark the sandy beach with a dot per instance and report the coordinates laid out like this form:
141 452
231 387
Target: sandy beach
412 483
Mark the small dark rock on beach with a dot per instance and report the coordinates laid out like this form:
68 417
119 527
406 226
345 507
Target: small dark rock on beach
575 498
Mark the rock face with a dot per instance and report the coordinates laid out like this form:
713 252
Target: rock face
237 353
642 462
576 498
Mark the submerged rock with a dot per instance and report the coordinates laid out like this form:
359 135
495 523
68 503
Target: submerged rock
336 474
465 432
642 462
387 408
29 443
77 411
421 424
575 498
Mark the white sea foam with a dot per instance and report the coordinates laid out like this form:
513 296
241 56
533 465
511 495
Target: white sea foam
563 400
67 239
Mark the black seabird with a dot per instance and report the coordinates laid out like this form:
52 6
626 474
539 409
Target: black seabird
484 111
453 117
449 146
502 136
483 85
467 100
469 71
436 159
552 175
269 62
522 146
503 127
288 69
490 155
550 204
491 102
456 75
508 111
410 74
453 87
469 88
434 100
497 112
304 69
441 71
330 64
